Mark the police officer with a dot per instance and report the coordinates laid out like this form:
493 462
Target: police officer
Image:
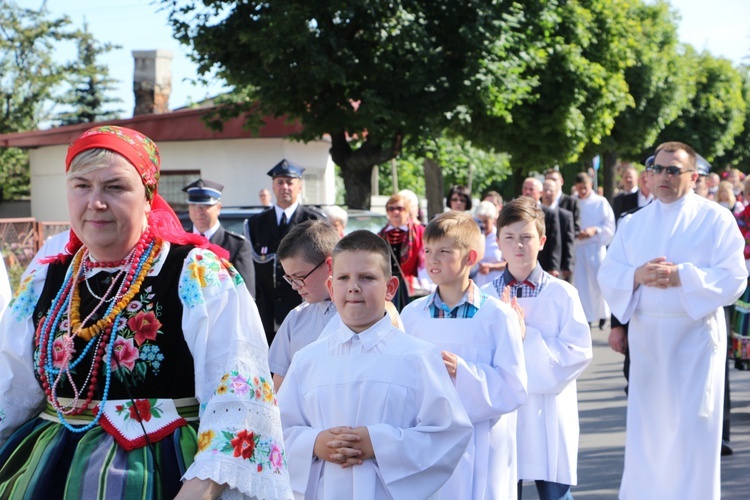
204 207
274 296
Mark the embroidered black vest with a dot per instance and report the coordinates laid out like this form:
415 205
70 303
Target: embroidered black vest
152 357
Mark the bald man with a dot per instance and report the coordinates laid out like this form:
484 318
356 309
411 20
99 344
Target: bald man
550 256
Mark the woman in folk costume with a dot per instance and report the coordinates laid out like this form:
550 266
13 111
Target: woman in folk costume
404 236
110 347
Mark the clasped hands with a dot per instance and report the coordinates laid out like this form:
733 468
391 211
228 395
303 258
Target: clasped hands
657 273
345 446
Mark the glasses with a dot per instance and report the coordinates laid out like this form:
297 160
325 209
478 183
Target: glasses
395 209
671 170
300 282
459 200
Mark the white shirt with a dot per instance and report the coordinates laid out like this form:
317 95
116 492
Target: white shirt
557 349
390 382
211 231
289 211
491 383
677 342
302 326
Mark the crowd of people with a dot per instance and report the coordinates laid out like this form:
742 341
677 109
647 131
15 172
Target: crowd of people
435 359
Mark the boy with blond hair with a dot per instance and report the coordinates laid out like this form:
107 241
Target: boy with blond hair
368 411
557 348
305 254
481 343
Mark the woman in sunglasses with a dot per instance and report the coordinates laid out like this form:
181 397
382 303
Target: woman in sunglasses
404 236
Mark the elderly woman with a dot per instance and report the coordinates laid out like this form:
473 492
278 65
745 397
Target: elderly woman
113 352
404 237
459 198
492 264
338 218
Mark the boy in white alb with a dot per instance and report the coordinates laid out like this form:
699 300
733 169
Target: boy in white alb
482 351
305 254
557 347
368 411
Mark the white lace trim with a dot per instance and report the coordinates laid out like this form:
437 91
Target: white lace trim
241 483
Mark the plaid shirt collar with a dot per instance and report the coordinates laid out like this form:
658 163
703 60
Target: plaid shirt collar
466 307
530 287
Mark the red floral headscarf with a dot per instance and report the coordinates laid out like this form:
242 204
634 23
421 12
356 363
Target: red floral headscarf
143 154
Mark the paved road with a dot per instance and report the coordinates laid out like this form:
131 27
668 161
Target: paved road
602 416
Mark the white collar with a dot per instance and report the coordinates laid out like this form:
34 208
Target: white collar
289 211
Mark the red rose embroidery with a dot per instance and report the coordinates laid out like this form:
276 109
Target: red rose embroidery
244 444
144 409
144 325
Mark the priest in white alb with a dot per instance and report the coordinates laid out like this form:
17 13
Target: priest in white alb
669 270
597 229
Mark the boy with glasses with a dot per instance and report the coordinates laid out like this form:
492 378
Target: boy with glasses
305 255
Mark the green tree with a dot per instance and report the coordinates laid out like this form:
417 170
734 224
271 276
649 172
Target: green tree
577 52
29 76
716 113
660 84
381 71
739 154
88 84
459 161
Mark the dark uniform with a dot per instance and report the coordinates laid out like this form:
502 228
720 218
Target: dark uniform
205 192
274 296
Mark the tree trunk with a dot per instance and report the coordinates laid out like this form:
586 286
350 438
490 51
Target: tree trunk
516 180
356 166
433 186
609 163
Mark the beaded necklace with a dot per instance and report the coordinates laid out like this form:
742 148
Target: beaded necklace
99 335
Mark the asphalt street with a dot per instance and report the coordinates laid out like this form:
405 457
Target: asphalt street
601 404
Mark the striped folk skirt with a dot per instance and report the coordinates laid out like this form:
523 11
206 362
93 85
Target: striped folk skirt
44 460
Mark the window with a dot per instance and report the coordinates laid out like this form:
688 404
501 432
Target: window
171 183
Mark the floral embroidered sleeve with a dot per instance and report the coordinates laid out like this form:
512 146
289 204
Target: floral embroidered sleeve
240 441
21 397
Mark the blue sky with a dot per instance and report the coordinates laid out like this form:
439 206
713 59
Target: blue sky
720 26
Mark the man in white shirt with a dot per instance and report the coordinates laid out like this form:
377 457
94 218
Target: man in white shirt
597 228
671 267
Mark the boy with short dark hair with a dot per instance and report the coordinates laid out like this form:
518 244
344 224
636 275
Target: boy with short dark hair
557 348
482 348
305 254
368 411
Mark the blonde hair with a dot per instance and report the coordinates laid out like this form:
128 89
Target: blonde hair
94 159
726 188
459 227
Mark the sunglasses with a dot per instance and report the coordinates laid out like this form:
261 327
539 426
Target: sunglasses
300 282
671 170
395 209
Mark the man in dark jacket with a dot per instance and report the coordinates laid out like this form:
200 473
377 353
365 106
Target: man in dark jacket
274 296
204 207
550 256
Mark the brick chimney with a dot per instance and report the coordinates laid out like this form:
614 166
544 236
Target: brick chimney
152 81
